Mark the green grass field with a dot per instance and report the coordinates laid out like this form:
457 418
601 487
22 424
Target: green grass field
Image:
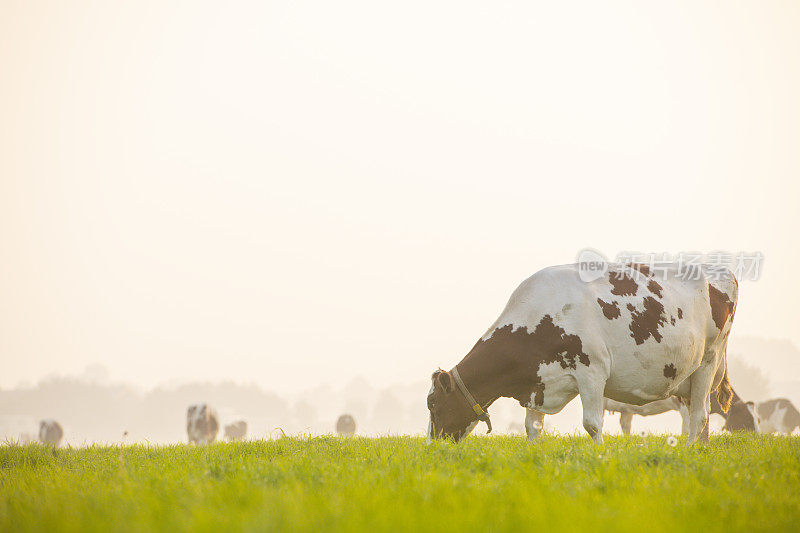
742 483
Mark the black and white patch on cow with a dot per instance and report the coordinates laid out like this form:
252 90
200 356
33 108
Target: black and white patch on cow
626 336
741 417
202 424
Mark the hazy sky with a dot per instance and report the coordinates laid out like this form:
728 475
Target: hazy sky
299 192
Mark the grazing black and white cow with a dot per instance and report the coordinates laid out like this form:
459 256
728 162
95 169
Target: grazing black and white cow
741 415
50 432
777 416
345 425
202 424
629 335
236 431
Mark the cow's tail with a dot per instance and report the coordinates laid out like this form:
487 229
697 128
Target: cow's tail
725 391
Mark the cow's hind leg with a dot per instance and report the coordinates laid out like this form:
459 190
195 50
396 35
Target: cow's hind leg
684 411
534 421
704 433
592 402
625 420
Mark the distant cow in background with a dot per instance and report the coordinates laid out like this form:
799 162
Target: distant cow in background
236 431
741 415
777 416
345 425
50 432
515 427
202 424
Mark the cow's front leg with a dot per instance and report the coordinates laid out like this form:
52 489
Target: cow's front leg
592 402
534 421
699 404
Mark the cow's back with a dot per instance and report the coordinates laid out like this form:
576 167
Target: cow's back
646 329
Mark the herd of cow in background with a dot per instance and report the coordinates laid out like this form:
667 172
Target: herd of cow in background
202 425
771 416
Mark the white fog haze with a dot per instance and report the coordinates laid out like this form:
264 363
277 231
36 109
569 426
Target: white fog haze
92 408
288 213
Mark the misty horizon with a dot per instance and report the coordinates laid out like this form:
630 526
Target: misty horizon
783 367
94 407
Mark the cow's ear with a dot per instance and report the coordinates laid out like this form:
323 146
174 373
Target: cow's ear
443 380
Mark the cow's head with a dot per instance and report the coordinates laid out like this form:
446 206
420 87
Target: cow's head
741 417
451 415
